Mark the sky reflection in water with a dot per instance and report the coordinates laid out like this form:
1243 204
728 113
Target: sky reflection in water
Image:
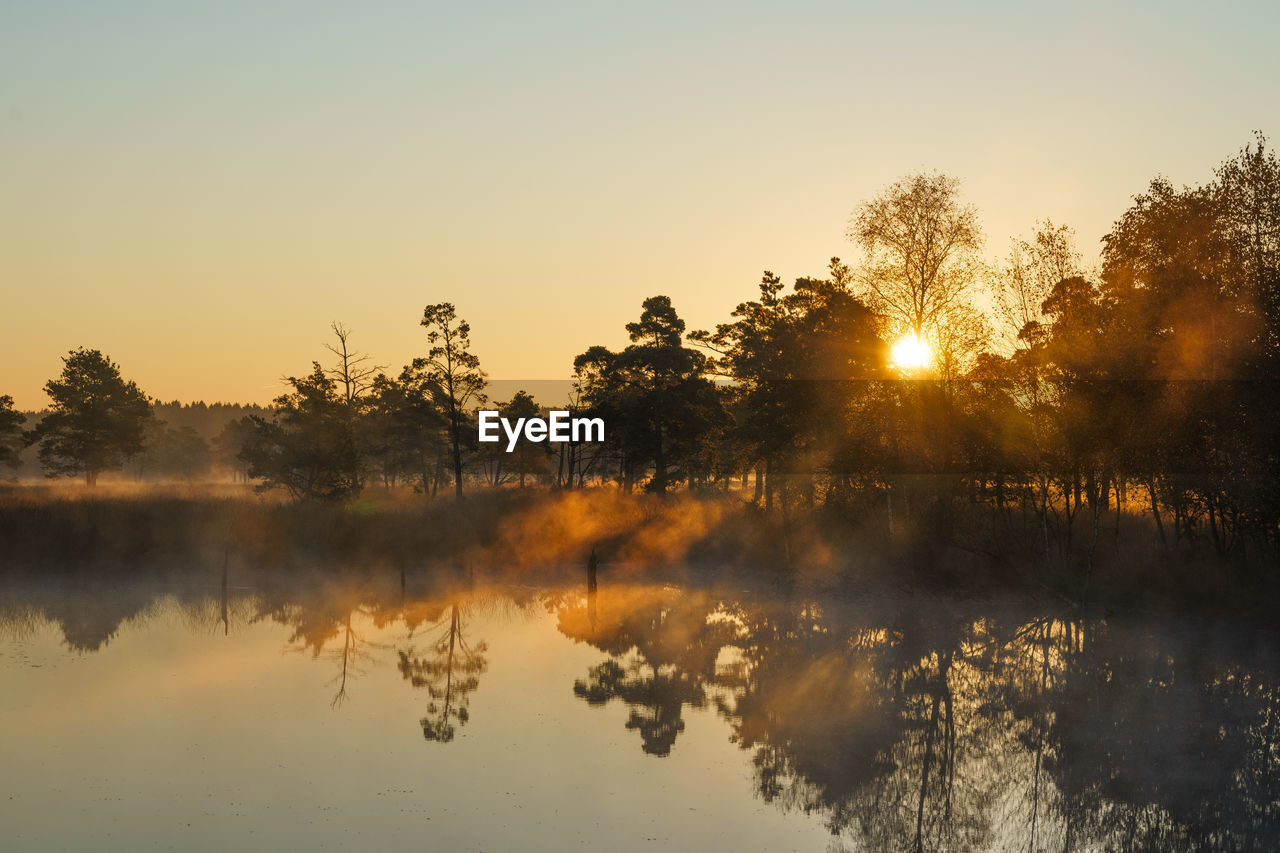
321 712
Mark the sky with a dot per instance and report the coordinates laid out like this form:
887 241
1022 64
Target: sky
200 189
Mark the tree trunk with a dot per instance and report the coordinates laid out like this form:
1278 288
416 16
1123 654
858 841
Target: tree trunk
660 467
457 454
435 481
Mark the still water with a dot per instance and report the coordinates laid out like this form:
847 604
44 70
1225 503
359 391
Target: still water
211 710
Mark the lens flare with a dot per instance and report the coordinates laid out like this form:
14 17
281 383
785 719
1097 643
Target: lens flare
911 353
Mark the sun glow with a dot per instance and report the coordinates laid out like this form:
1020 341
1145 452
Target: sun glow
911 353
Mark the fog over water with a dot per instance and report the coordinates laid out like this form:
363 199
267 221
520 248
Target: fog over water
209 707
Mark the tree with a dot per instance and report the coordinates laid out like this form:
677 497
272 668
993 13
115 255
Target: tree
1169 258
10 432
920 248
528 458
234 436
309 445
352 372
1034 266
798 362
1194 274
404 430
180 452
455 369
97 419
1248 195
654 393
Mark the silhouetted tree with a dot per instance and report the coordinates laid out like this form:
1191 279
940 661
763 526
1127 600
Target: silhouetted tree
799 362
528 458
455 370
404 428
920 249
353 373
11 441
1247 190
97 419
1033 267
654 396
308 446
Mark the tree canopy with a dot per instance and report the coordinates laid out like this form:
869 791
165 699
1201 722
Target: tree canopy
11 441
96 421
455 370
308 445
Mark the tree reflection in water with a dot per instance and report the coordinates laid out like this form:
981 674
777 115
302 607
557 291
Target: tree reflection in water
319 617
662 655
909 723
928 725
449 669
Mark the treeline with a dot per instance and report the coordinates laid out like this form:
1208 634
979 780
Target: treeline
181 441
911 387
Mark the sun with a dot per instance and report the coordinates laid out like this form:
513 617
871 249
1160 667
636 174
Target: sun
911 353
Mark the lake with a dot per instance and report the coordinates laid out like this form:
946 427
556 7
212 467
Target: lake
243 709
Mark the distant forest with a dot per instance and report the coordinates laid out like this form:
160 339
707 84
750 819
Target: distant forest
182 441
915 386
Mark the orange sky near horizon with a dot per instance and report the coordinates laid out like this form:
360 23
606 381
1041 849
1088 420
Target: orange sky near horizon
198 192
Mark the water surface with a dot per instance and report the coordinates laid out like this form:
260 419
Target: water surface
337 710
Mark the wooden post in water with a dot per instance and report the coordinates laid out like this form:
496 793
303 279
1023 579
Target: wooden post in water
226 623
593 563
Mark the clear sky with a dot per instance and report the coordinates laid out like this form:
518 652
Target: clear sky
198 189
